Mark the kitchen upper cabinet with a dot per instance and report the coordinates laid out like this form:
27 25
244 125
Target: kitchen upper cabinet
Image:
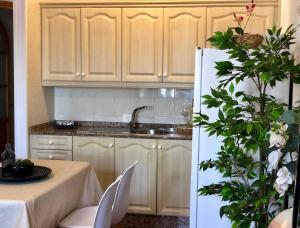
101 44
143 185
99 152
81 44
142 44
126 45
61 57
184 29
220 18
174 176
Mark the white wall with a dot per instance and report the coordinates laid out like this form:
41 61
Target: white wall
290 14
116 105
20 79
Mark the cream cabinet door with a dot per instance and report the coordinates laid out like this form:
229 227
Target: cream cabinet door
61 57
99 152
174 177
101 44
142 44
184 30
143 185
220 18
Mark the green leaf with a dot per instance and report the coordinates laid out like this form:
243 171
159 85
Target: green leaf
231 88
249 128
239 30
265 77
221 115
224 67
222 211
276 114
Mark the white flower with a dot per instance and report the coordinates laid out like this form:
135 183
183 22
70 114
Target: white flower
276 140
281 189
284 178
288 157
274 158
284 128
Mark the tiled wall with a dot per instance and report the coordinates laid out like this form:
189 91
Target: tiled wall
116 105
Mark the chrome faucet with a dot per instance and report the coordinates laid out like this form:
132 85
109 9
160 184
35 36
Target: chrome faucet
133 123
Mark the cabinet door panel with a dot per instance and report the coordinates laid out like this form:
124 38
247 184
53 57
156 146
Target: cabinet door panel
99 152
143 185
174 177
220 18
142 44
101 44
61 44
184 30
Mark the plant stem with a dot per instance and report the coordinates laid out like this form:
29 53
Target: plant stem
247 22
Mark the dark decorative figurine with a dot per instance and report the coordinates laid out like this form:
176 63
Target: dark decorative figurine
8 159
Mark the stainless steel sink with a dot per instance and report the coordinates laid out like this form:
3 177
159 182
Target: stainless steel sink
158 131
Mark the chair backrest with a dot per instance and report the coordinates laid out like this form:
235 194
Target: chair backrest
104 210
121 201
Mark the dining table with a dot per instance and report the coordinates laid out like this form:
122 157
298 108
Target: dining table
43 203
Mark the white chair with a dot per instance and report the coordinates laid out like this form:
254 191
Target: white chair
120 205
283 219
93 217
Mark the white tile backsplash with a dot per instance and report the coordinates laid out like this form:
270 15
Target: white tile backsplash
117 104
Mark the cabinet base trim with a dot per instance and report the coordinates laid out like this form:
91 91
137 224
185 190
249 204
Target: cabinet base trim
117 84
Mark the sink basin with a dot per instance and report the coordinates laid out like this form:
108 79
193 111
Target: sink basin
158 131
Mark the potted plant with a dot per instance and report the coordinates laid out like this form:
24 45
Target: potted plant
22 168
251 40
259 148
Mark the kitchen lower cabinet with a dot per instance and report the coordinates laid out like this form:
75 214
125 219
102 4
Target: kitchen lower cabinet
174 177
143 185
51 154
160 182
51 147
99 152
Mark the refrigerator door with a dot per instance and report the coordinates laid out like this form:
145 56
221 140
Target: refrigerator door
195 146
208 206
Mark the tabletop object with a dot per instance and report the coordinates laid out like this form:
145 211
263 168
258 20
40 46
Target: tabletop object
42 204
38 173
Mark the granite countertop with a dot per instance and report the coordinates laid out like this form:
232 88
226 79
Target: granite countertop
105 129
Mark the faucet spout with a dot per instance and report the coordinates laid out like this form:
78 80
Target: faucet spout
133 123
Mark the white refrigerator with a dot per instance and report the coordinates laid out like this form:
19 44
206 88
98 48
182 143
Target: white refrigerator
204 210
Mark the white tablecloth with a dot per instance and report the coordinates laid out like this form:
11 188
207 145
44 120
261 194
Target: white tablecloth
42 204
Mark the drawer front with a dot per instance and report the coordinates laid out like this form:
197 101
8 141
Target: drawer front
51 142
51 155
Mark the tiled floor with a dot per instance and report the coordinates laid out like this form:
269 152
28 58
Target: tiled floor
150 221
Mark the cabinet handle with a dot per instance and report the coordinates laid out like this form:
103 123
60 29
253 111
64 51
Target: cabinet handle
77 74
110 145
159 75
153 146
159 147
50 142
51 157
83 74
